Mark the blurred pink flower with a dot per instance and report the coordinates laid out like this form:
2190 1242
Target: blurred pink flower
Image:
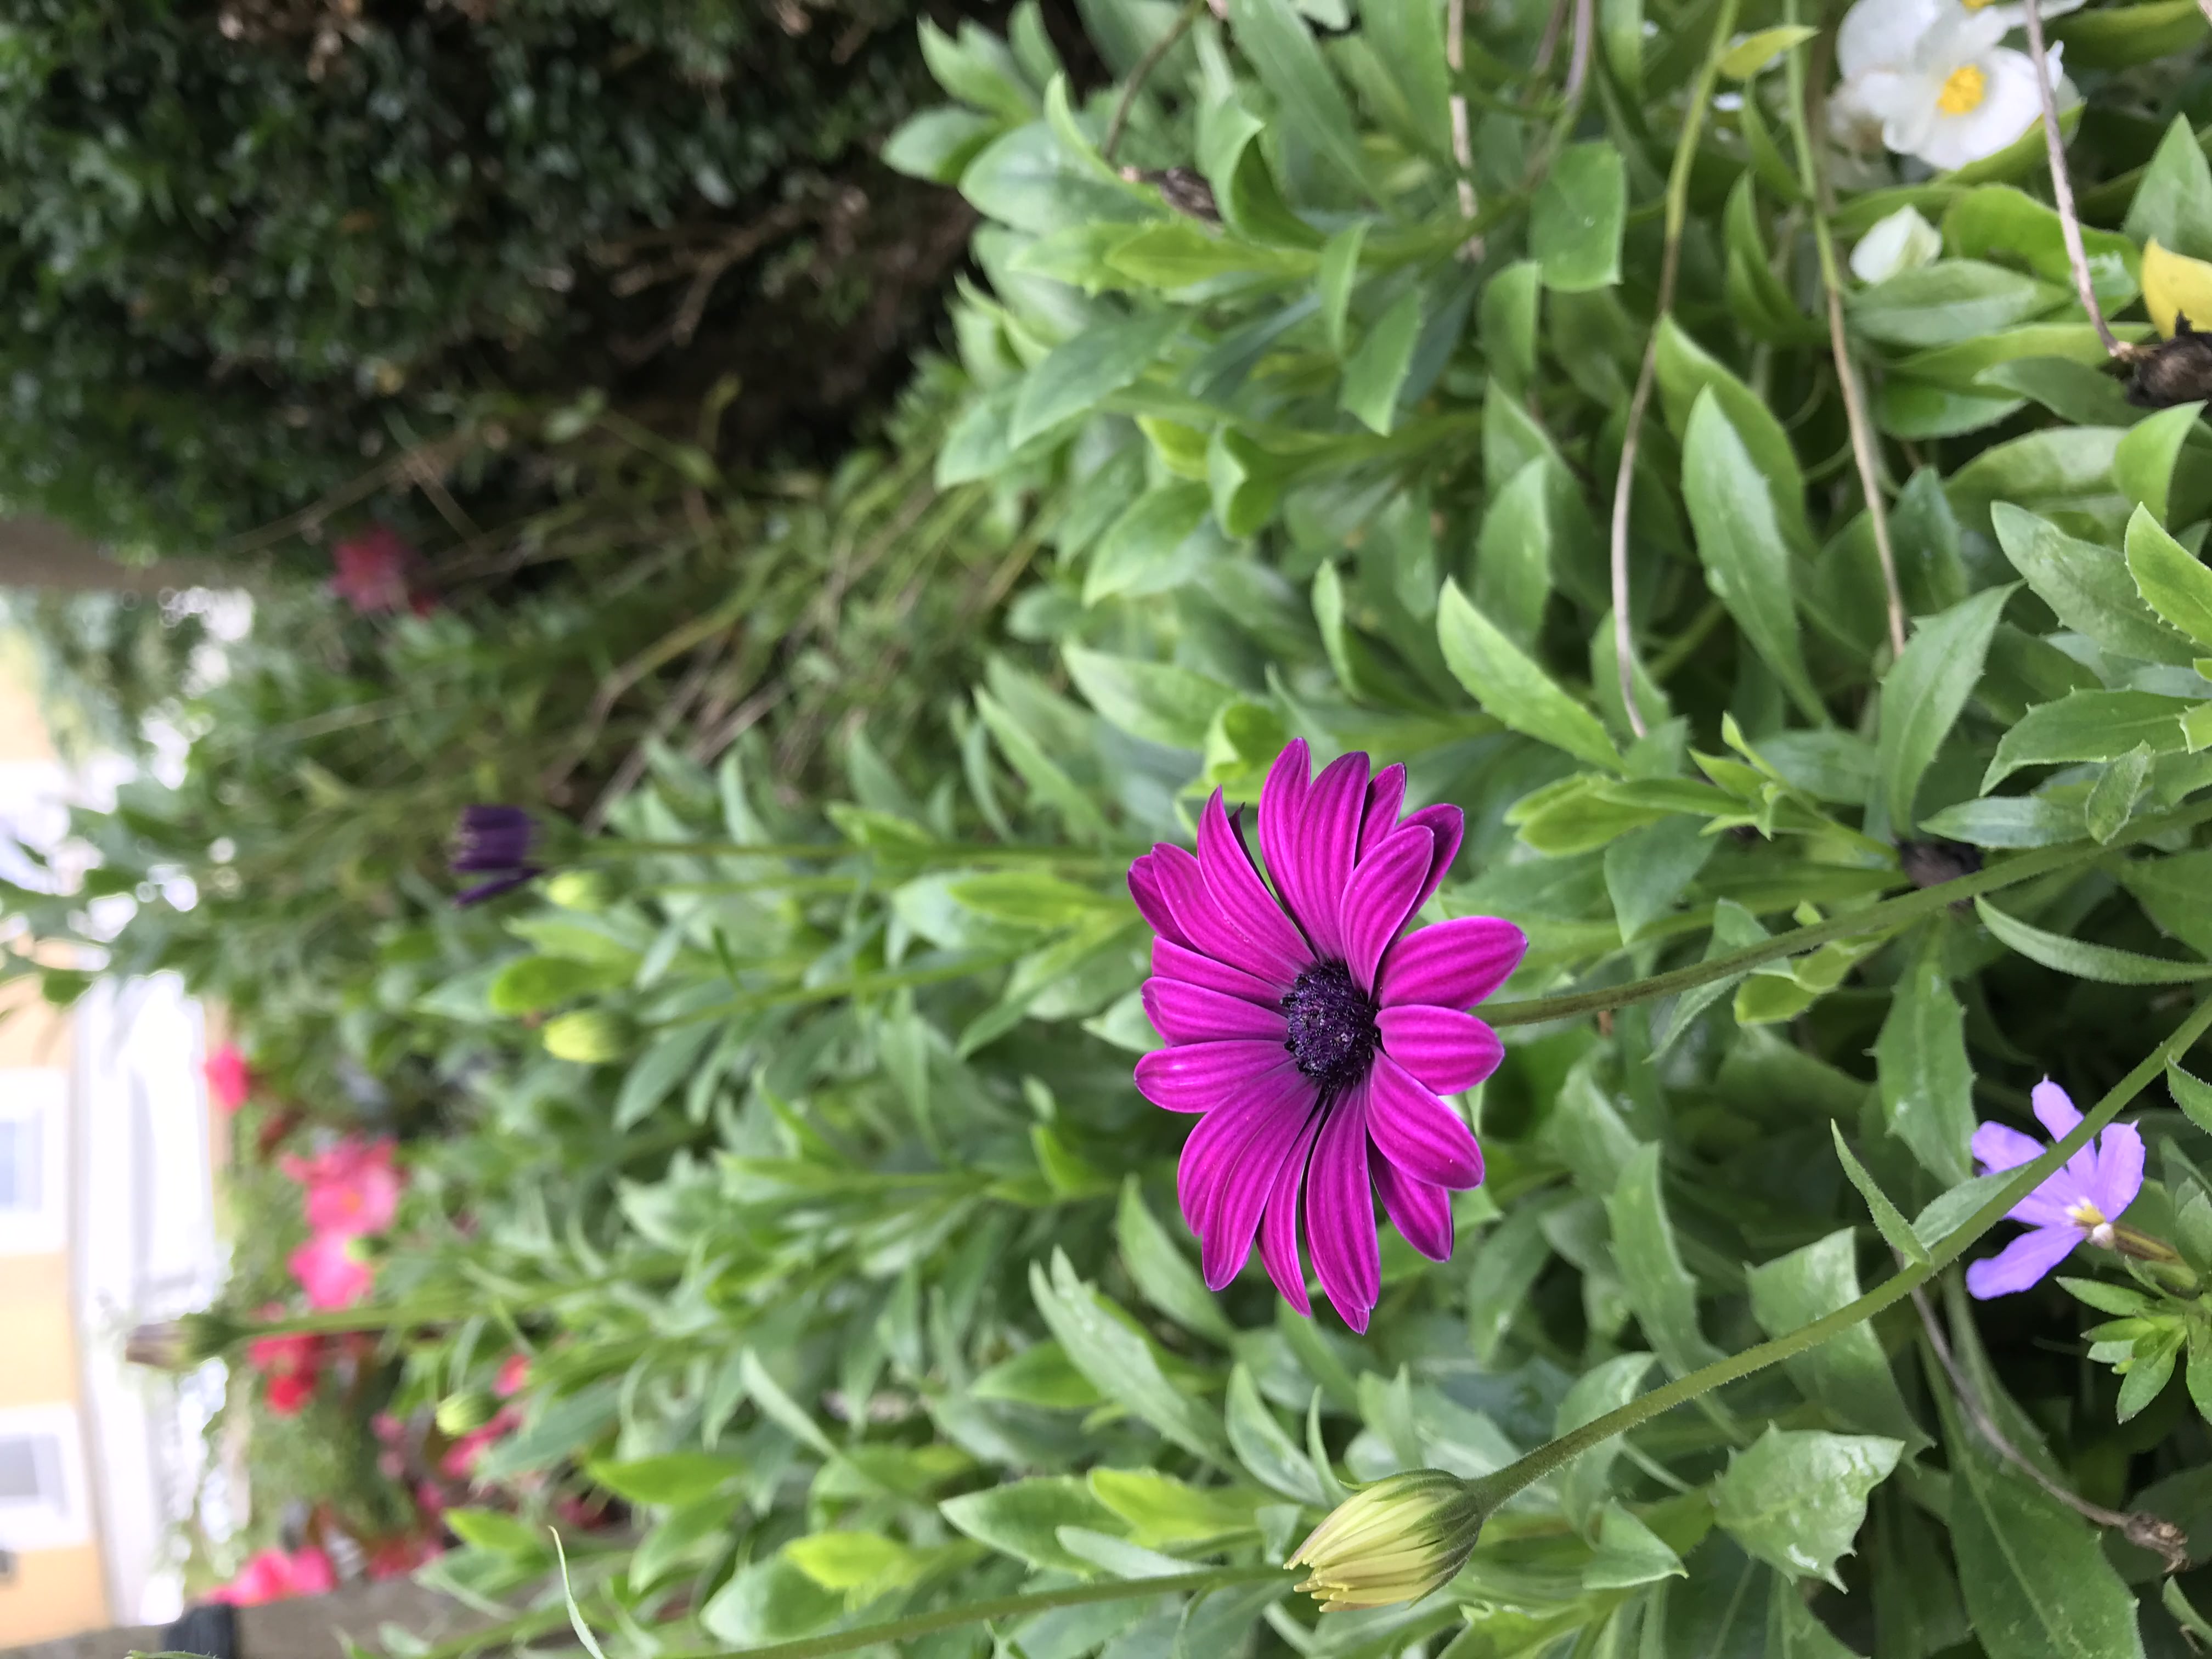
288 1392
332 1270
229 1079
376 571
395 1557
351 1189
514 1376
276 1576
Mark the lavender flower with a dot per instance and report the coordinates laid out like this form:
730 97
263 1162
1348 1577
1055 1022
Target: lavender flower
2081 1202
1313 1038
493 841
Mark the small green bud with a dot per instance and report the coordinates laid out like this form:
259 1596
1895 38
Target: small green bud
464 1413
588 890
1395 1541
186 1344
590 1037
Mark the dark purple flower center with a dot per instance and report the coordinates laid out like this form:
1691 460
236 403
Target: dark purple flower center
1331 1027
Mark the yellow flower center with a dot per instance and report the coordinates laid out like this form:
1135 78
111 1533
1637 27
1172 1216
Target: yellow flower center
1962 93
2084 1214
1974 5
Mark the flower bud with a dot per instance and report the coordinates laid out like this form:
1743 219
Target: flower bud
587 890
464 1413
590 1037
1903 241
1395 1541
182 1345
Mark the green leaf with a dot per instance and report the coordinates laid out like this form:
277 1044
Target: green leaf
1161 1511
2036 1583
1948 301
1575 222
1334 278
937 145
1027 179
1794 1631
1648 869
1107 1347
2087 726
2084 960
1685 371
1023 1519
1748 56
2172 581
1276 39
1409 39
1163 1272
532 983
2007 821
1848 1374
2088 586
670 1479
1607 1386
1509 320
2143 465
2173 205
1927 1082
1739 538
1925 689
1102 359
1375 372
1155 701
1271 1455
978 70
1044 776
1156 544
2112 798
1039 1375
1796 1498
2009 224
498 1534
1628 1554
1510 686
1030 898
2192 1095
1658 1287
1513 556
1888 1221
671 1057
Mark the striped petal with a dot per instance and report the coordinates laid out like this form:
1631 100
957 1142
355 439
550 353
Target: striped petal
1421 1214
1340 1212
1451 964
1197 1077
1182 1012
1280 950
1383 894
1418 1133
1445 1049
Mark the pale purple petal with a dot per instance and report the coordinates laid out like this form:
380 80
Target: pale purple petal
1244 898
2119 1169
1181 882
2055 1110
1419 1211
1448 825
1999 1147
1197 1077
1418 1133
1278 1227
1172 960
1211 1151
1328 846
1282 808
1182 1012
1443 1049
1451 964
1386 798
1152 904
1382 896
1340 1212
2022 1263
1226 1241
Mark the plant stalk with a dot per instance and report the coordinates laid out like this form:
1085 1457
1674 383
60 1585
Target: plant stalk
2062 182
1142 72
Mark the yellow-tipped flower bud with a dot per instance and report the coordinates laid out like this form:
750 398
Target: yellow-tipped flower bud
590 1037
1392 1541
462 1414
588 890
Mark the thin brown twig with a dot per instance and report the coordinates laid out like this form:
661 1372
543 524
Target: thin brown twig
1462 139
1578 60
704 663
1142 72
438 452
1555 24
2140 1527
2061 181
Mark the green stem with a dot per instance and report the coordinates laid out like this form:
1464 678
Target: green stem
1003 1606
858 985
1875 918
1495 1488
605 849
1138 75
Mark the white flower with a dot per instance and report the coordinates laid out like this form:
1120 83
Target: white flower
1958 98
1903 241
1878 35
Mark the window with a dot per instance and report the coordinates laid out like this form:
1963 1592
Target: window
42 1504
34 1162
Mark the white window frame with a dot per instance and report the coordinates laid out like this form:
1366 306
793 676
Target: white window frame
39 1094
56 1520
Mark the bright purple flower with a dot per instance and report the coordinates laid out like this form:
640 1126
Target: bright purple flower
1314 1040
2080 1202
493 841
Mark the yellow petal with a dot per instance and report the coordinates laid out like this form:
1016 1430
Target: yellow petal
2175 285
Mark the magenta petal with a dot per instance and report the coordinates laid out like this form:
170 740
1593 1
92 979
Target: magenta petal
1182 884
1328 846
1340 1212
1448 825
1381 898
1197 1077
1420 1213
1278 1227
2022 1263
1386 798
1282 818
1241 1195
1151 905
1172 960
1190 1014
2119 1169
1443 1049
1418 1133
1222 1135
1451 964
1244 898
